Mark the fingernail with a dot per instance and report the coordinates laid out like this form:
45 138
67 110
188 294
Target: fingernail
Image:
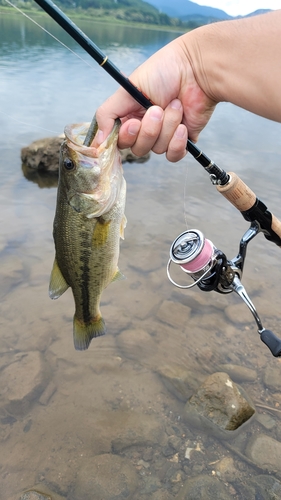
99 137
180 132
156 114
133 129
176 104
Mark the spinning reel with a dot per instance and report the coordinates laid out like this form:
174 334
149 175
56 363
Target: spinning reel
210 269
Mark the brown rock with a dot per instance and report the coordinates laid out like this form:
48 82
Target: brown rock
43 154
219 401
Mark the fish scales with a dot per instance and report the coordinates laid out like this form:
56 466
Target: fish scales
88 224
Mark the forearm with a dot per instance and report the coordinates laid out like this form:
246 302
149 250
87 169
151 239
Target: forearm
240 62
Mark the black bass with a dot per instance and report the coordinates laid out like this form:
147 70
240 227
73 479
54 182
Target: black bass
88 224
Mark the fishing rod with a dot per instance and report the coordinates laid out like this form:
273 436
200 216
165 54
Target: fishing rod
94 51
208 267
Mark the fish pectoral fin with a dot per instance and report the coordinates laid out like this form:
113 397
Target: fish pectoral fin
57 284
100 233
118 276
122 226
83 333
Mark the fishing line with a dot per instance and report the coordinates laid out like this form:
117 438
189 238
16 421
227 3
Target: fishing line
57 40
48 33
28 124
185 212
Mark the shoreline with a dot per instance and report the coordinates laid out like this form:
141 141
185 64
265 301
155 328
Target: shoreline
85 16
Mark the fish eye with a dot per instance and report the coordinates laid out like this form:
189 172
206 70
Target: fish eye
68 164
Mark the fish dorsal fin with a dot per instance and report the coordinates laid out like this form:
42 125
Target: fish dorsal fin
58 284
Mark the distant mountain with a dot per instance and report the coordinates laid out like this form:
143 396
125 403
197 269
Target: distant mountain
257 12
183 9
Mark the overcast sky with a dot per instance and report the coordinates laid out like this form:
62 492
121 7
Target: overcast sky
241 7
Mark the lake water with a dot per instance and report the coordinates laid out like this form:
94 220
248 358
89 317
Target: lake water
108 423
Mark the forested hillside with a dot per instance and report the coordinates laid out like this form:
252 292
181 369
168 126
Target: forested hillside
127 10
110 10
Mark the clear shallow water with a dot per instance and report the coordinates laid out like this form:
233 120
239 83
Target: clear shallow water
59 409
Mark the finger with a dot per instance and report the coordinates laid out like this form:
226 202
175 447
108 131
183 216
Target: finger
149 131
172 118
177 146
128 133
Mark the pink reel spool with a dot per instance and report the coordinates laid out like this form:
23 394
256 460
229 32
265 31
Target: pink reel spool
192 251
201 261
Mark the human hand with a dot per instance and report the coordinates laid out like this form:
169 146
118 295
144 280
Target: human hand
182 107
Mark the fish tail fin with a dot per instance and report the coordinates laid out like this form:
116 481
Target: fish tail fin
83 333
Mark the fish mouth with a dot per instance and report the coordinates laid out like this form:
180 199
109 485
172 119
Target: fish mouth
78 135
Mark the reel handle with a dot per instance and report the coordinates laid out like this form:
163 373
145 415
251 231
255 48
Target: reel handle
252 209
272 342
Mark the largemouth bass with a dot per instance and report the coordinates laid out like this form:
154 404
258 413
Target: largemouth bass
88 224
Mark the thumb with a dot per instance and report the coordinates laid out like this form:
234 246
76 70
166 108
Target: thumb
119 105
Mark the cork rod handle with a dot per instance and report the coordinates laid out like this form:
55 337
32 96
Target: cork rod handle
243 198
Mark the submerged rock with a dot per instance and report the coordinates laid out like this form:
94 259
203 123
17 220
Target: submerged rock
265 451
272 377
239 373
218 405
174 314
23 382
204 487
43 155
179 380
263 487
106 477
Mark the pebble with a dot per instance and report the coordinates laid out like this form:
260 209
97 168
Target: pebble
226 470
239 373
47 393
34 495
40 492
179 380
23 382
204 487
174 314
264 451
106 477
266 421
